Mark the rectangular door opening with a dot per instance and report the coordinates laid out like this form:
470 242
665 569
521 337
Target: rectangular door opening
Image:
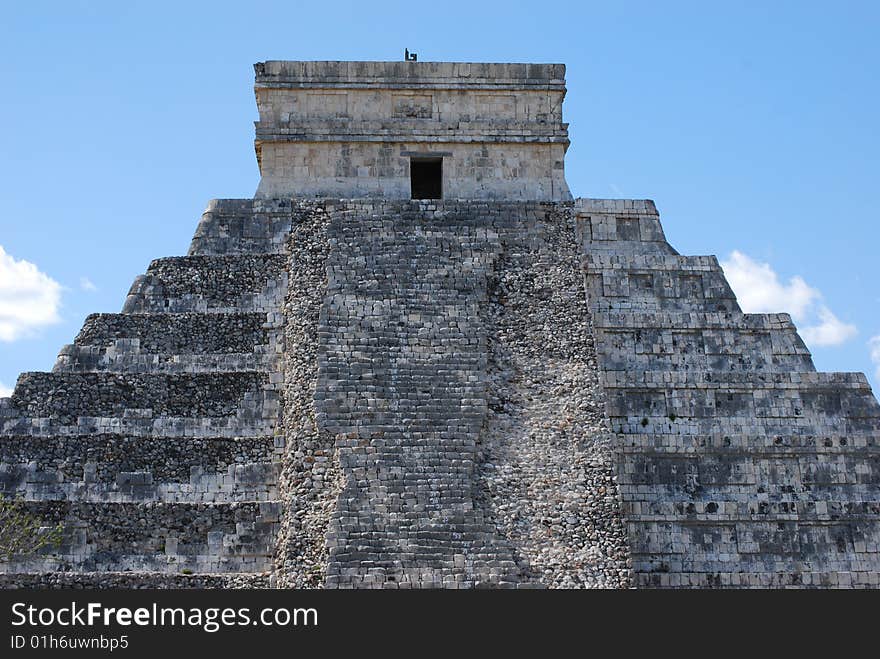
426 178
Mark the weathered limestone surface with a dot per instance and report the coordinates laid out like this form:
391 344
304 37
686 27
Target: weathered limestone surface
311 477
402 387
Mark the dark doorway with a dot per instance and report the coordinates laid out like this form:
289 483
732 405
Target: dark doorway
426 178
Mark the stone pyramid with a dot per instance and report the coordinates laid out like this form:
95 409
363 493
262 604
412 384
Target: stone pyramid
342 386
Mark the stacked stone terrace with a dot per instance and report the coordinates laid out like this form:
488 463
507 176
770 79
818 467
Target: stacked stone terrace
440 394
152 440
739 465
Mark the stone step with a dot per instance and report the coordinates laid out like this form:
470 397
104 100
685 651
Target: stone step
719 380
804 577
133 580
598 206
243 226
679 399
784 443
733 424
730 503
635 230
661 320
67 396
257 418
700 342
735 477
654 263
657 283
811 424
174 343
118 468
126 358
237 283
706 546
155 537
401 374
178 333
688 403
703 351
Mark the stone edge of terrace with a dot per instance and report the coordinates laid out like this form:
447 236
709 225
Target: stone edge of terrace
284 72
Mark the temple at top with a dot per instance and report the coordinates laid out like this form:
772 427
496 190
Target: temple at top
420 130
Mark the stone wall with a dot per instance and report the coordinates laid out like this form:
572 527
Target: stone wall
310 477
382 170
739 465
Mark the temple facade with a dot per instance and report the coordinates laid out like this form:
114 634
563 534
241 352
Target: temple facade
401 130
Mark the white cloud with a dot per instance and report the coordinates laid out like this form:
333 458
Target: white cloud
759 290
5 392
86 284
830 331
874 347
29 299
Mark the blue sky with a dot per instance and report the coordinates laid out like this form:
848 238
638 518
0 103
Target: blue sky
752 125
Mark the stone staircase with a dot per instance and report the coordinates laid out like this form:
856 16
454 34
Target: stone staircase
739 464
428 446
153 439
402 376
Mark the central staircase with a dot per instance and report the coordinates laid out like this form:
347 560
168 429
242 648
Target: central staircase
402 382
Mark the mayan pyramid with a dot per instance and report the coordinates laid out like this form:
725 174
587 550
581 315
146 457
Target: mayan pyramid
412 360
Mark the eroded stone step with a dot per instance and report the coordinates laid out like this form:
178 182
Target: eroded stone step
238 283
133 580
127 359
66 396
154 537
174 343
243 226
178 333
120 468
